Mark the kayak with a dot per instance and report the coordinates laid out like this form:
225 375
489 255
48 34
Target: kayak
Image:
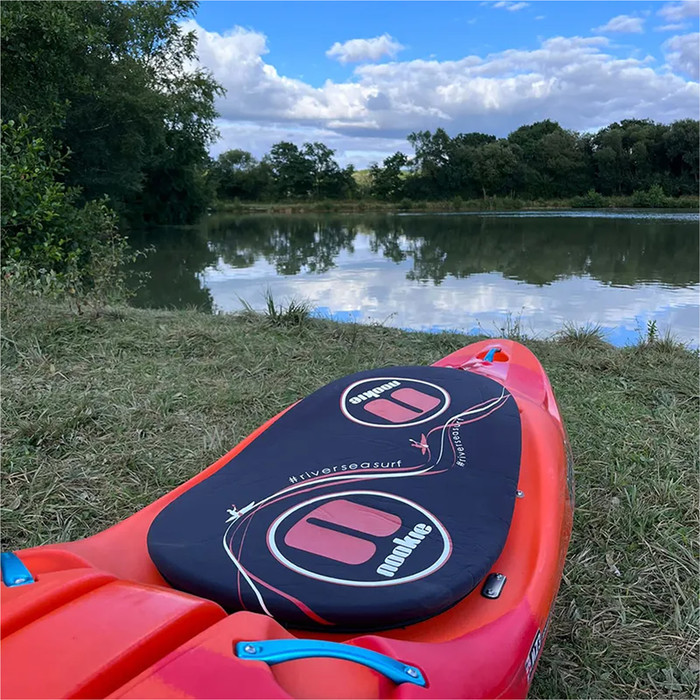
398 533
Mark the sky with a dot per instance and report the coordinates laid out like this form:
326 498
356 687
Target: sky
360 76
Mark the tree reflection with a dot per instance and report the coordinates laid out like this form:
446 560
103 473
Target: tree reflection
536 250
540 250
177 257
292 244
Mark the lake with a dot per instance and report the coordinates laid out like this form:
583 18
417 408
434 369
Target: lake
474 272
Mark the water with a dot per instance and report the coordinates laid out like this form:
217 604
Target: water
536 271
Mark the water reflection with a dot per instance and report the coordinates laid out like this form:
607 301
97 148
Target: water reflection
293 245
433 271
174 264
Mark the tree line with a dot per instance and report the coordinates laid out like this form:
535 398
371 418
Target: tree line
540 160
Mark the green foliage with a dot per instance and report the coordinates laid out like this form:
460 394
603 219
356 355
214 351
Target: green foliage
238 175
652 331
329 181
53 241
111 82
388 181
295 313
498 167
291 171
654 198
445 166
634 155
590 200
681 145
554 160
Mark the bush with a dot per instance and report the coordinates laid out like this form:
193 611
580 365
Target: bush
51 241
590 200
653 198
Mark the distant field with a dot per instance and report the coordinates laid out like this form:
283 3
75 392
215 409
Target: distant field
362 178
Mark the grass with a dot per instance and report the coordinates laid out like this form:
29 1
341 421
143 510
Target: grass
296 312
587 336
104 413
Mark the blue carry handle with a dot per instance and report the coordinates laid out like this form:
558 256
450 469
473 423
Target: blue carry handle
14 572
276 651
490 354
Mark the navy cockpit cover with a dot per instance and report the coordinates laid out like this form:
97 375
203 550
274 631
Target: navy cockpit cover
379 500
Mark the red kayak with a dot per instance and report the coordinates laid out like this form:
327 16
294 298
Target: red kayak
399 533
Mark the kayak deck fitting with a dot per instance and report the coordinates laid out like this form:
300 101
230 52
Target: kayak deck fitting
400 532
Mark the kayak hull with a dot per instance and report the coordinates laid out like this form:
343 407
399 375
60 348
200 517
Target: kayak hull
100 621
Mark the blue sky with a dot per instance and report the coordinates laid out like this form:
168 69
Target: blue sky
360 76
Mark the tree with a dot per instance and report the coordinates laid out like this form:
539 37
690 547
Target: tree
329 181
432 160
464 147
554 161
110 81
680 143
387 182
237 174
629 156
497 167
444 165
291 170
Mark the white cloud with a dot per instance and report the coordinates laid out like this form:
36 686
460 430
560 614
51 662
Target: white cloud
623 24
357 50
511 6
358 150
678 26
683 53
677 11
576 81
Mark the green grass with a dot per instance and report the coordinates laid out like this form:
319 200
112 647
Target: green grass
587 336
105 413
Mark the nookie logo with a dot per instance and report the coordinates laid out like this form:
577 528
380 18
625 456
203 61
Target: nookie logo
360 538
405 547
393 402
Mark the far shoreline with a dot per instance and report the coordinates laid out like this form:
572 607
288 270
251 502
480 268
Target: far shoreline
684 204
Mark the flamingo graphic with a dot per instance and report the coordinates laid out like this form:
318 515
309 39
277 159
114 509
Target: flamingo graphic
422 445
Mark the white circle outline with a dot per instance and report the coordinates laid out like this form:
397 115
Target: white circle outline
347 414
446 550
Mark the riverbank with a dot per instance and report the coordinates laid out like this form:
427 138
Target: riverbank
458 204
103 413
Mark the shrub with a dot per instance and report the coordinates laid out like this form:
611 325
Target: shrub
654 198
53 242
590 200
